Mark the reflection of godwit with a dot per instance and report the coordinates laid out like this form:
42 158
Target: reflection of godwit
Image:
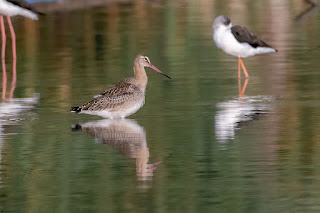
127 137
231 114
12 8
125 98
237 41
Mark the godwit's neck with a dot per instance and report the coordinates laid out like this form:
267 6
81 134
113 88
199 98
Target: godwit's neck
140 74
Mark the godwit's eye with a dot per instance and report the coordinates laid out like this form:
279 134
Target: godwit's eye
146 59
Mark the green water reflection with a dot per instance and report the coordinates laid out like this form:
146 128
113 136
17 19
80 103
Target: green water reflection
270 163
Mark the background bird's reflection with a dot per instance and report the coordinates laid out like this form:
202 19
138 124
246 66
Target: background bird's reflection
127 137
233 114
11 112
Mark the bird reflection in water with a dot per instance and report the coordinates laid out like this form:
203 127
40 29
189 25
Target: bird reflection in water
11 112
4 79
127 137
234 114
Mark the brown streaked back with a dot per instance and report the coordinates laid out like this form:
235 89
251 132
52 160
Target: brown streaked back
124 93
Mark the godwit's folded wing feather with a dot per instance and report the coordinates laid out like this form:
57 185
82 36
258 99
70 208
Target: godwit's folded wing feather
123 93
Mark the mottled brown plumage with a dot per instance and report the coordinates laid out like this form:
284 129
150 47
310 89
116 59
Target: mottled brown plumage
126 91
125 98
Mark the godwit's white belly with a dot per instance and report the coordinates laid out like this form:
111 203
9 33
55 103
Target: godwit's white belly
225 40
118 113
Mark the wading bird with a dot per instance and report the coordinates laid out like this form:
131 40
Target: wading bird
125 98
238 41
12 8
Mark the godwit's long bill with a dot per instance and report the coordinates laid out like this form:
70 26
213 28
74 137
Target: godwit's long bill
125 98
238 41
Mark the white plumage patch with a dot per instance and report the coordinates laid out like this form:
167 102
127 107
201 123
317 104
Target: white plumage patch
9 9
116 114
226 41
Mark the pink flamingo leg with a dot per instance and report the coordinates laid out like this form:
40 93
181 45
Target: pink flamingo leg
3 49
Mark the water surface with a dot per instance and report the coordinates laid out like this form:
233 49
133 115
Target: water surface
195 146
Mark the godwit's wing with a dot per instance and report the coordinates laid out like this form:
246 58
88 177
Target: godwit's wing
243 35
124 93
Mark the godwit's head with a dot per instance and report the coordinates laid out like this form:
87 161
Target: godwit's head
221 21
144 61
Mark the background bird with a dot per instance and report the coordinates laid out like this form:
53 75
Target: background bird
238 41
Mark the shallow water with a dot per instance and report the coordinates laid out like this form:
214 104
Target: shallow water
195 146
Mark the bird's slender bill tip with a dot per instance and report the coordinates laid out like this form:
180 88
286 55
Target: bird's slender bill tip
156 69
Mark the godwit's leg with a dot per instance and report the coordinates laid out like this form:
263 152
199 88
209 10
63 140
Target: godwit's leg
244 68
239 71
3 49
13 38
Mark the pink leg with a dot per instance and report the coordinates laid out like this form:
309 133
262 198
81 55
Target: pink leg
14 54
3 48
244 86
3 34
239 71
239 84
13 38
14 78
154 165
244 68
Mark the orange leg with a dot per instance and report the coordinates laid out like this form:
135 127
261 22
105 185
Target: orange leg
239 84
239 68
243 89
243 68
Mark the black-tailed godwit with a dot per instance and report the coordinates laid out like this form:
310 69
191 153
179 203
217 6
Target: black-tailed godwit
125 98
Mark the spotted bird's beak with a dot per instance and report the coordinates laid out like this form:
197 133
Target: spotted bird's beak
156 69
